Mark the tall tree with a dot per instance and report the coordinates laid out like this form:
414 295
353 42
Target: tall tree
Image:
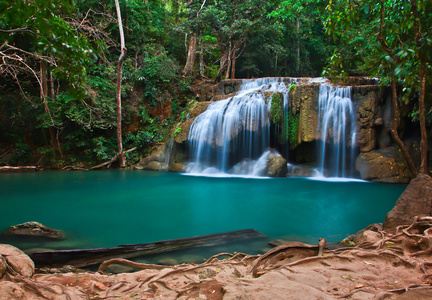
400 49
121 59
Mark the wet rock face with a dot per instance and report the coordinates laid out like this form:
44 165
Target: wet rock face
382 166
415 201
367 120
35 229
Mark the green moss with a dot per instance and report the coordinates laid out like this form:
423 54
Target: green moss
292 86
290 129
293 129
276 110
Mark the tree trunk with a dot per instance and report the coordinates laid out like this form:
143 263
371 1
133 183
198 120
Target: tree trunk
53 96
201 58
122 57
191 56
233 65
44 96
298 46
423 74
229 56
222 66
395 134
422 114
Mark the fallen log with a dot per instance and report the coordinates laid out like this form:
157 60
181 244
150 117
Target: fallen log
87 257
114 159
20 168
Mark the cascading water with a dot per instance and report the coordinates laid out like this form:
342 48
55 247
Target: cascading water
232 134
337 128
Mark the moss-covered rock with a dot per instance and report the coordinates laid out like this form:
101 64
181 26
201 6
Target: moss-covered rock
35 229
304 104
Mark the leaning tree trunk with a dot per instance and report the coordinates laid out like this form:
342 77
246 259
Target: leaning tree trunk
423 143
394 132
191 56
122 57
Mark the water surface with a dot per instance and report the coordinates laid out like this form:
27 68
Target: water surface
110 208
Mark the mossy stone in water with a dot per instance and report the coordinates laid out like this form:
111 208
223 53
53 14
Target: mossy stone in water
35 229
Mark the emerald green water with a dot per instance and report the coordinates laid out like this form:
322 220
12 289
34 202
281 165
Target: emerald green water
110 208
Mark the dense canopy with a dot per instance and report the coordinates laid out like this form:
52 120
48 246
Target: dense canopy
58 63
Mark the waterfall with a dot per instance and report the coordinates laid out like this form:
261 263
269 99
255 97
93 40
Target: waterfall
337 129
232 134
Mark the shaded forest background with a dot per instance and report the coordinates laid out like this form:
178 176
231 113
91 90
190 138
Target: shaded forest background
58 64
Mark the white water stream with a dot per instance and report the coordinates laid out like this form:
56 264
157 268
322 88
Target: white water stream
233 136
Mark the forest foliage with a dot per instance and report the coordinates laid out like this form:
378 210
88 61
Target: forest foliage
58 62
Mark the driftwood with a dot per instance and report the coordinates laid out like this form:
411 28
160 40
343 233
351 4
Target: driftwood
21 168
86 257
114 159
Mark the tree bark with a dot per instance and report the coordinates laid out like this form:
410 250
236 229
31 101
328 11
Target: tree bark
394 132
422 114
229 57
191 56
122 57
201 58
233 65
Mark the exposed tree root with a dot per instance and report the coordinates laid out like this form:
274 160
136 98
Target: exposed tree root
387 265
125 262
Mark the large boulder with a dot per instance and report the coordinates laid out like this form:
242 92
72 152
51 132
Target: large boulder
382 166
15 259
415 201
276 165
35 229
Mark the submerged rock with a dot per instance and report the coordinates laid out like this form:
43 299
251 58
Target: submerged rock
35 229
415 201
